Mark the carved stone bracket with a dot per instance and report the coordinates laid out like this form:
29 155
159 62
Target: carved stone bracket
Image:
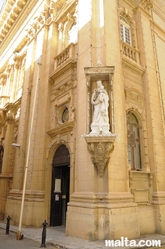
100 148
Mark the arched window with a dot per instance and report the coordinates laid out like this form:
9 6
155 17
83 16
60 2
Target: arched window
134 158
73 34
125 31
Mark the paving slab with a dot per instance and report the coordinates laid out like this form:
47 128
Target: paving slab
57 237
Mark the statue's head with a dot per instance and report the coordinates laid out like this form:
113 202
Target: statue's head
99 84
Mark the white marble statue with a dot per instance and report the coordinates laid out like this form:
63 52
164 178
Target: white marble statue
100 102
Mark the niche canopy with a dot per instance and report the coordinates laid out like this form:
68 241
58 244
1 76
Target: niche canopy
100 135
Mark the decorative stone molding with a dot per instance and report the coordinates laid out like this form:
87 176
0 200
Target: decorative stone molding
30 195
100 148
146 4
36 26
140 184
64 88
134 96
63 128
64 105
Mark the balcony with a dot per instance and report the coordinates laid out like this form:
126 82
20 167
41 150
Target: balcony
130 52
66 56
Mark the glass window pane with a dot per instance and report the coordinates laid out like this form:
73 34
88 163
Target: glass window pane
133 142
121 32
127 35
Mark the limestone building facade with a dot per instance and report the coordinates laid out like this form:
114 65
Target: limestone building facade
101 179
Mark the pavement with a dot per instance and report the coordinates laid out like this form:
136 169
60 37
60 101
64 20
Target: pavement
56 236
9 241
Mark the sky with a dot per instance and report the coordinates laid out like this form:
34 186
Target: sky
1 3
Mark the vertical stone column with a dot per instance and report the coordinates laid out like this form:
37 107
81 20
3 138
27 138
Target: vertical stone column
14 207
153 90
81 207
120 200
6 166
60 37
23 120
9 81
15 80
37 180
2 82
99 31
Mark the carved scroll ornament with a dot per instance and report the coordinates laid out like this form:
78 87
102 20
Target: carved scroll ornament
100 151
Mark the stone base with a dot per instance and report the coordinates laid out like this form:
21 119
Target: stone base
146 219
33 212
5 182
97 219
158 201
100 129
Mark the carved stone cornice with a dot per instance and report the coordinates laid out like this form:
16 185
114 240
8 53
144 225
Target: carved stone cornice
146 4
61 129
104 73
9 14
64 88
133 66
100 148
17 22
70 64
64 7
13 107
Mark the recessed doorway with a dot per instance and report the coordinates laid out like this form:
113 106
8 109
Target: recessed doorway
60 186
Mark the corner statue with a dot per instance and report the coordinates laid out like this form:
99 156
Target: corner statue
100 102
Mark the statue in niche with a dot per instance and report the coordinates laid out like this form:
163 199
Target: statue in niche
100 102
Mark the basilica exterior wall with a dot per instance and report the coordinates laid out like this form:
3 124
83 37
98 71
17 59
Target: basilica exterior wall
60 62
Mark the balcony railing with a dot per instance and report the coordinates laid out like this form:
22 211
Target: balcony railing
130 52
68 54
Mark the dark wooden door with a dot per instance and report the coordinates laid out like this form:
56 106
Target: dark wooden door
59 195
56 197
65 191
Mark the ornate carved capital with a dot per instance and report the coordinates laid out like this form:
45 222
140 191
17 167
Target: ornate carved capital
10 118
2 118
100 148
3 78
